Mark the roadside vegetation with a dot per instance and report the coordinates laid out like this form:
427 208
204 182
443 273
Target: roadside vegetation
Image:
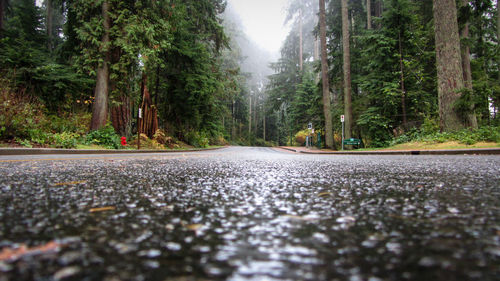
76 73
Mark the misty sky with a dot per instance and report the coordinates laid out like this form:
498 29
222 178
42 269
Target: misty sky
263 21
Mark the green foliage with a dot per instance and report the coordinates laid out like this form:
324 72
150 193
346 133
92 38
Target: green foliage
262 143
376 128
466 136
25 59
197 139
105 136
20 118
66 140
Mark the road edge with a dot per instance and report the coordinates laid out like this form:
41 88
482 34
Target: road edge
482 151
52 151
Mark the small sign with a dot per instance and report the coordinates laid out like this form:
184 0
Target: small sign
140 113
342 118
310 126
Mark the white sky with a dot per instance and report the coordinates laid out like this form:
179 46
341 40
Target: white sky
263 21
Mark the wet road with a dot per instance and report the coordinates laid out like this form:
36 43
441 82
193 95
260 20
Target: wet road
249 214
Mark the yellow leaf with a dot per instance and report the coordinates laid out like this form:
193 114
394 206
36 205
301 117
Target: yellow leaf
324 194
102 209
194 227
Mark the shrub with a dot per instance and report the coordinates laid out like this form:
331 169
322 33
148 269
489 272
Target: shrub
465 136
196 139
218 140
300 137
20 118
105 136
65 140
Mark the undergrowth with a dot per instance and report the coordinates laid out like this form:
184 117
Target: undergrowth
465 136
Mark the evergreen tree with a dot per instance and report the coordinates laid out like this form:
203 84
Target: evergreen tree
449 67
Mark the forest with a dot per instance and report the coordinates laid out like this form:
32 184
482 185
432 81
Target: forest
80 73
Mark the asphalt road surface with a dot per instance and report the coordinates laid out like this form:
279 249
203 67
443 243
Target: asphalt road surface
249 214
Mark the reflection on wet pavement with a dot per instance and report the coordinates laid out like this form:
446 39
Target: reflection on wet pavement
251 214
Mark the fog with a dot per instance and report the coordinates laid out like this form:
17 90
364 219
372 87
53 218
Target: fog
256 56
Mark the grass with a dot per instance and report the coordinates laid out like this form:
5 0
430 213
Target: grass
421 145
444 145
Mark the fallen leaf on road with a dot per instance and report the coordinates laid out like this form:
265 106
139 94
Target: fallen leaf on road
66 272
293 217
9 254
102 209
194 227
324 194
69 183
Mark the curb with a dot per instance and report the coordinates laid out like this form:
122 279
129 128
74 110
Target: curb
293 150
484 151
42 151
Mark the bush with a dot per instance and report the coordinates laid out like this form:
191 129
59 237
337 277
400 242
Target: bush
465 136
263 143
20 118
300 137
105 136
218 140
196 139
66 140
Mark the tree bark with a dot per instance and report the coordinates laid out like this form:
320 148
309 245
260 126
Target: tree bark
100 106
449 63
347 71
368 14
324 72
250 116
121 116
498 23
379 9
3 4
148 124
467 72
264 124
301 63
403 88
50 20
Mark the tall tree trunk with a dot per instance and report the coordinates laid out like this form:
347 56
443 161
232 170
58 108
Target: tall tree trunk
100 106
3 6
498 63
368 14
148 124
50 25
347 71
264 124
121 116
448 62
324 72
403 89
157 86
378 11
301 60
498 23
255 113
250 116
467 72
233 124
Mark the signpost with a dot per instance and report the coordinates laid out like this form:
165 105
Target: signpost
139 129
342 120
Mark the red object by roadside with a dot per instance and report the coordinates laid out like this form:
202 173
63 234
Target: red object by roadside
124 141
